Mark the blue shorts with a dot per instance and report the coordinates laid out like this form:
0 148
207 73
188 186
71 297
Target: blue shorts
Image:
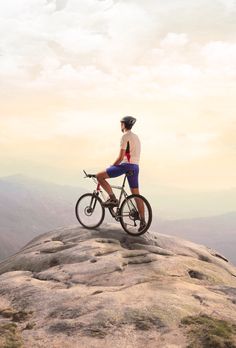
114 171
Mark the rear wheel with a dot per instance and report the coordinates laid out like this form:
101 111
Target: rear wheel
130 211
89 210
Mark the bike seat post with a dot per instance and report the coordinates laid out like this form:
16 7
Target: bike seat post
124 180
130 172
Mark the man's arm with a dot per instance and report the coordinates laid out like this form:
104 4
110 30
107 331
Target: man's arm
120 157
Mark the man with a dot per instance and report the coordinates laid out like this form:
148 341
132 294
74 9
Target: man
128 159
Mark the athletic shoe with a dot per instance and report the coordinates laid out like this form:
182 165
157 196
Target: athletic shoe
142 225
111 202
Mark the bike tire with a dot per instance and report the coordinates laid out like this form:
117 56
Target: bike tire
77 212
123 224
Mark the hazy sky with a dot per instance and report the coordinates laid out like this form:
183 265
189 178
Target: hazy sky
69 70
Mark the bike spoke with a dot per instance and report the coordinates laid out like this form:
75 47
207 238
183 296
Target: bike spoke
130 225
133 208
89 211
125 214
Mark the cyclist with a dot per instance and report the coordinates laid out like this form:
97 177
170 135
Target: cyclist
128 160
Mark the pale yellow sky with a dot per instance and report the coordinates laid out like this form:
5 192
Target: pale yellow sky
69 70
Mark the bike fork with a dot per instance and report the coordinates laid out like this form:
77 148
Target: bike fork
94 200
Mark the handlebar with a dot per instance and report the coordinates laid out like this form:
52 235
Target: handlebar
89 175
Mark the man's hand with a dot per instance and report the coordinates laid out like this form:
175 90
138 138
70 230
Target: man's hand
120 157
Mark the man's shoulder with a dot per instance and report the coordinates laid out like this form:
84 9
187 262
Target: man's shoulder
129 135
125 135
134 135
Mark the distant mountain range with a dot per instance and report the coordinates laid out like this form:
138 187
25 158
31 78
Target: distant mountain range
172 203
217 232
29 207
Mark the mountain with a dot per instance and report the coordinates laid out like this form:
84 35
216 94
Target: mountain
8 245
73 287
29 207
173 203
218 232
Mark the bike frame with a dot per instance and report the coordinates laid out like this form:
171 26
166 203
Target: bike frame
98 190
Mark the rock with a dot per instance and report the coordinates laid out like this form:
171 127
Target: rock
74 287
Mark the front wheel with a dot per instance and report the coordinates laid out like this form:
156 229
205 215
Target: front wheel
89 210
131 210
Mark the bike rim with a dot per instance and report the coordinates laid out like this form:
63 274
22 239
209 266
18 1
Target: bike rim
131 217
89 211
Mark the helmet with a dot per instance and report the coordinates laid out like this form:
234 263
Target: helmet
129 121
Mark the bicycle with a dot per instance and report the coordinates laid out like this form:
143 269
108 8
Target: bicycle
90 211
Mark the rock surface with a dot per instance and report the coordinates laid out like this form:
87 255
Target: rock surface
73 287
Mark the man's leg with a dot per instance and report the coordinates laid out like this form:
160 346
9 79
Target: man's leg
102 176
139 203
112 201
134 187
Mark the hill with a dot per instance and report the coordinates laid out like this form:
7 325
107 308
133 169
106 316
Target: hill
74 287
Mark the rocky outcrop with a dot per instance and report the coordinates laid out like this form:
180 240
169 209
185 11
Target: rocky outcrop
74 287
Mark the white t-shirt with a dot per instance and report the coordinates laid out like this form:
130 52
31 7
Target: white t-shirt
131 143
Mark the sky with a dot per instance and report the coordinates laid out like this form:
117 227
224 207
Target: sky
70 70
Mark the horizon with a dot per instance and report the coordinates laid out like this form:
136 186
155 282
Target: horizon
168 203
62 183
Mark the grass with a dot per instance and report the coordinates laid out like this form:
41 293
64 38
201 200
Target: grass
141 319
21 316
10 336
16 316
208 332
29 326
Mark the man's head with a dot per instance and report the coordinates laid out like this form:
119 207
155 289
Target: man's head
127 122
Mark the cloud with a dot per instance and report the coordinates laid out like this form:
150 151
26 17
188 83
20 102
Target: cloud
173 40
107 49
220 56
229 6
71 67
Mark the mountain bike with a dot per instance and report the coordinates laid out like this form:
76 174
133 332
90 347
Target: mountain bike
90 211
